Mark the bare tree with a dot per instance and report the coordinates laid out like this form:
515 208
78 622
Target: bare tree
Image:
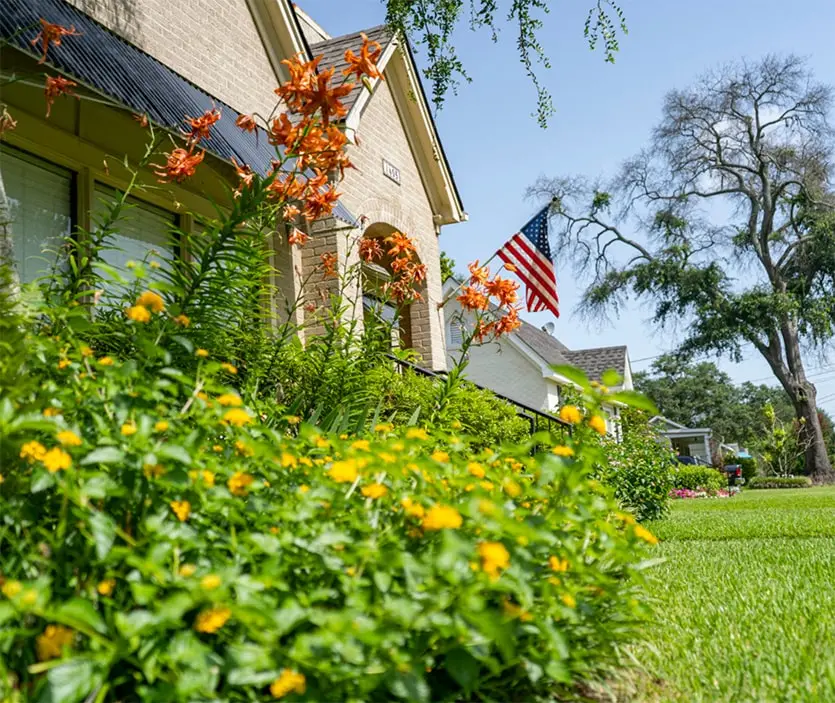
726 221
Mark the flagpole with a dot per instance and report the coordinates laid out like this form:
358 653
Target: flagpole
464 282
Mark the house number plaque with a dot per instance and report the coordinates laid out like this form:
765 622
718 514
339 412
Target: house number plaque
391 171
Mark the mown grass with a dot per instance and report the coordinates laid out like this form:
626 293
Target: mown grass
746 600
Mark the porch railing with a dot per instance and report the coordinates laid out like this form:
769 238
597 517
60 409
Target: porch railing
531 415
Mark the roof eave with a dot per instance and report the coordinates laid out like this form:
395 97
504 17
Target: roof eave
399 68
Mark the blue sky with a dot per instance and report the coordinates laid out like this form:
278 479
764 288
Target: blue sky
604 115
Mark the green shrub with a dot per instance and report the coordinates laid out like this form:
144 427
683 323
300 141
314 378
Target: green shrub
161 541
749 467
695 477
639 469
780 482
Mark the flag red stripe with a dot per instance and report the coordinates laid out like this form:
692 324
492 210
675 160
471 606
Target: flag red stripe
545 266
534 301
546 284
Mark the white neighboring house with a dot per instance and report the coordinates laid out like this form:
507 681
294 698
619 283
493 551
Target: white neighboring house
685 441
518 365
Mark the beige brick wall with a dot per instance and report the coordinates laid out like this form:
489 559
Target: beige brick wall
212 43
368 192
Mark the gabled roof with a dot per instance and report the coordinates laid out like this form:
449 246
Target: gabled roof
333 54
594 362
401 72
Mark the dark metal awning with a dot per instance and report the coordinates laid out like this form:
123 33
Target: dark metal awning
109 65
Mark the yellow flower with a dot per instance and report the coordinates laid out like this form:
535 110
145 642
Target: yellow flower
475 469
187 570
11 588
51 643
128 429
29 597
56 459
105 361
153 470
181 508
230 400
106 587
229 368
68 438
288 461
161 426
598 424
512 488
210 582
208 478
138 313
562 450
411 508
456 425
557 564
304 489
202 353
151 300
305 461
86 351
644 534
383 427
440 456
417 433
387 458
51 411
628 518
32 451
494 558
217 448
486 485
243 448
63 363
287 682
212 619
182 320
237 417
322 443
375 490
1 478
440 517
344 471
239 483
293 419
487 507
361 444
569 600
570 414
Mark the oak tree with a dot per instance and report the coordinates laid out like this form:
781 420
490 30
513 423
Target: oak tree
725 222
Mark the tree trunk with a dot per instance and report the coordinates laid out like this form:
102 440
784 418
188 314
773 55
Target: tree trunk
818 465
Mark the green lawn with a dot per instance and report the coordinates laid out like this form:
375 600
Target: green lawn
746 600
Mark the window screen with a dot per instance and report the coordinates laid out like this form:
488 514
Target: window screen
141 229
40 203
456 334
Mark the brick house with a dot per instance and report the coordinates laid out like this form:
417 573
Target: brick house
520 365
171 59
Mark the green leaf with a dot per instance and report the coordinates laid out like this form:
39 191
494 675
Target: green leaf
72 681
84 612
411 686
463 667
133 623
104 533
100 486
611 378
41 480
103 455
175 452
573 374
635 400
382 580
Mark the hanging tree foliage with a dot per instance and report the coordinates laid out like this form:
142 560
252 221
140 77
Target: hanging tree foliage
430 24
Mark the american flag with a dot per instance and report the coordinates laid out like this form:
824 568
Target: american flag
529 251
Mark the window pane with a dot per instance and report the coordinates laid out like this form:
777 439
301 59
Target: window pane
141 229
40 197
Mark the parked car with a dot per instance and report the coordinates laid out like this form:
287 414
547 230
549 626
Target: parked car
691 460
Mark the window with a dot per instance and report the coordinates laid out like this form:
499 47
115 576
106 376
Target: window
142 228
381 318
456 334
40 198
